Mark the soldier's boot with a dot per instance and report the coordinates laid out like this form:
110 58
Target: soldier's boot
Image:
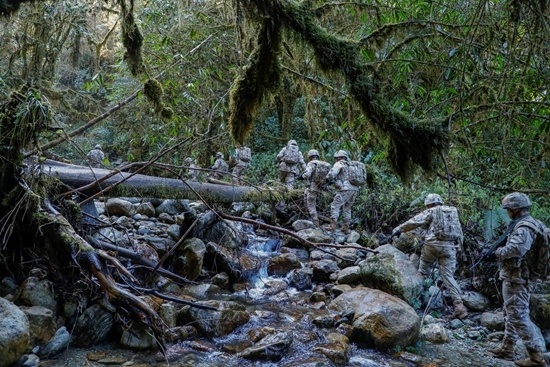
536 358
504 351
316 222
345 228
460 311
332 225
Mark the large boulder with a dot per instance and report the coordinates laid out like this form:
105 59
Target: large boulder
14 333
227 317
391 271
36 292
380 320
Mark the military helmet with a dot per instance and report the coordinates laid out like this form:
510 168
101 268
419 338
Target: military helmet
313 153
219 155
292 142
97 146
341 154
188 160
433 199
516 200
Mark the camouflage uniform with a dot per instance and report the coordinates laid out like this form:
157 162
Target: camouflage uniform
346 194
517 285
96 157
220 167
289 171
192 173
241 166
314 188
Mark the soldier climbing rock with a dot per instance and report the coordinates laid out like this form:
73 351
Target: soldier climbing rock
314 174
289 161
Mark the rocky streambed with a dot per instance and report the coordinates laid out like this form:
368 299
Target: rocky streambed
257 298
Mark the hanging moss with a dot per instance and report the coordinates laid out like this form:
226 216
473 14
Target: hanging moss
261 76
152 89
411 141
131 39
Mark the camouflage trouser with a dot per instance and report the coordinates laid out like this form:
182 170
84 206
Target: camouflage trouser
311 203
287 178
516 315
344 200
446 257
238 171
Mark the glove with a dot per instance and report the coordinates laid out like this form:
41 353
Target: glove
396 232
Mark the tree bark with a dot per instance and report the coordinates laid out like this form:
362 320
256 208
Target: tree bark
89 181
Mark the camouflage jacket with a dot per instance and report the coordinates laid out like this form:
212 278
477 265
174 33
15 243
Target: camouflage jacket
425 220
339 174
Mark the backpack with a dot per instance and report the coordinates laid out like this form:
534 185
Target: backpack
321 171
538 256
292 154
244 154
446 225
357 173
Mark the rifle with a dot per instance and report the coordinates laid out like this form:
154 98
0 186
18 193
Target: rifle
488 253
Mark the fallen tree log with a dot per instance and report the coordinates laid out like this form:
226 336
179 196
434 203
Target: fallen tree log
89 181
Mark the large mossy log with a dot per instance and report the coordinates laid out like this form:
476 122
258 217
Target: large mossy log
89 181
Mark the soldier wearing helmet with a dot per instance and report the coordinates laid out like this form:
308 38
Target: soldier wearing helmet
192 173
517 282
95 157
346 192
444 252
242 157
313 174
289 161
220 167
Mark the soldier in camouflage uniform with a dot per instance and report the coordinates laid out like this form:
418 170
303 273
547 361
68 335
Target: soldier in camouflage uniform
314 188
96 157
444 252
192 172
242 157
346 194
288 160
220 167
517 284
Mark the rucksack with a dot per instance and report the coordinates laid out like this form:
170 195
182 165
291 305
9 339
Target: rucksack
292 154
446 225
244 154
538 256
357 173
320 172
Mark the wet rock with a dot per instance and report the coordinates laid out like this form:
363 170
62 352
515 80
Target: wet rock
167 312
27 360
203 291
271 348
302 254
349 275
456 324
222 259
248 263
174 232
435 333
14 333
301 279
314 235
189 258
302 224
540 310
274 286
8 286
147 209
224 233
380 319
161 245
336 348
238 208
346 257
226 319
339 289
282 264
326 254
56 344
36 292
353 237
172 207
93 326
114 236
312 362
166 218
323 269
391 271
492 320
236 346
317 297
221 280
475 301
180 333
41 323
119 207
138 337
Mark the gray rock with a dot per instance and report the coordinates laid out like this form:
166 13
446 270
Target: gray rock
138 337
282 264
391 271
301 279
36 292
114 236
353 237
349 275
346 257
172 207
55 345
435 333
189 258
221 280
339 289
119 207
166 218
146 209
380 319
93 326
14 333
302 224
323 269
493 321
326 254
540 310
174 232
27 360
226 319
336 348
271 348
41 322
8 286
475 301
